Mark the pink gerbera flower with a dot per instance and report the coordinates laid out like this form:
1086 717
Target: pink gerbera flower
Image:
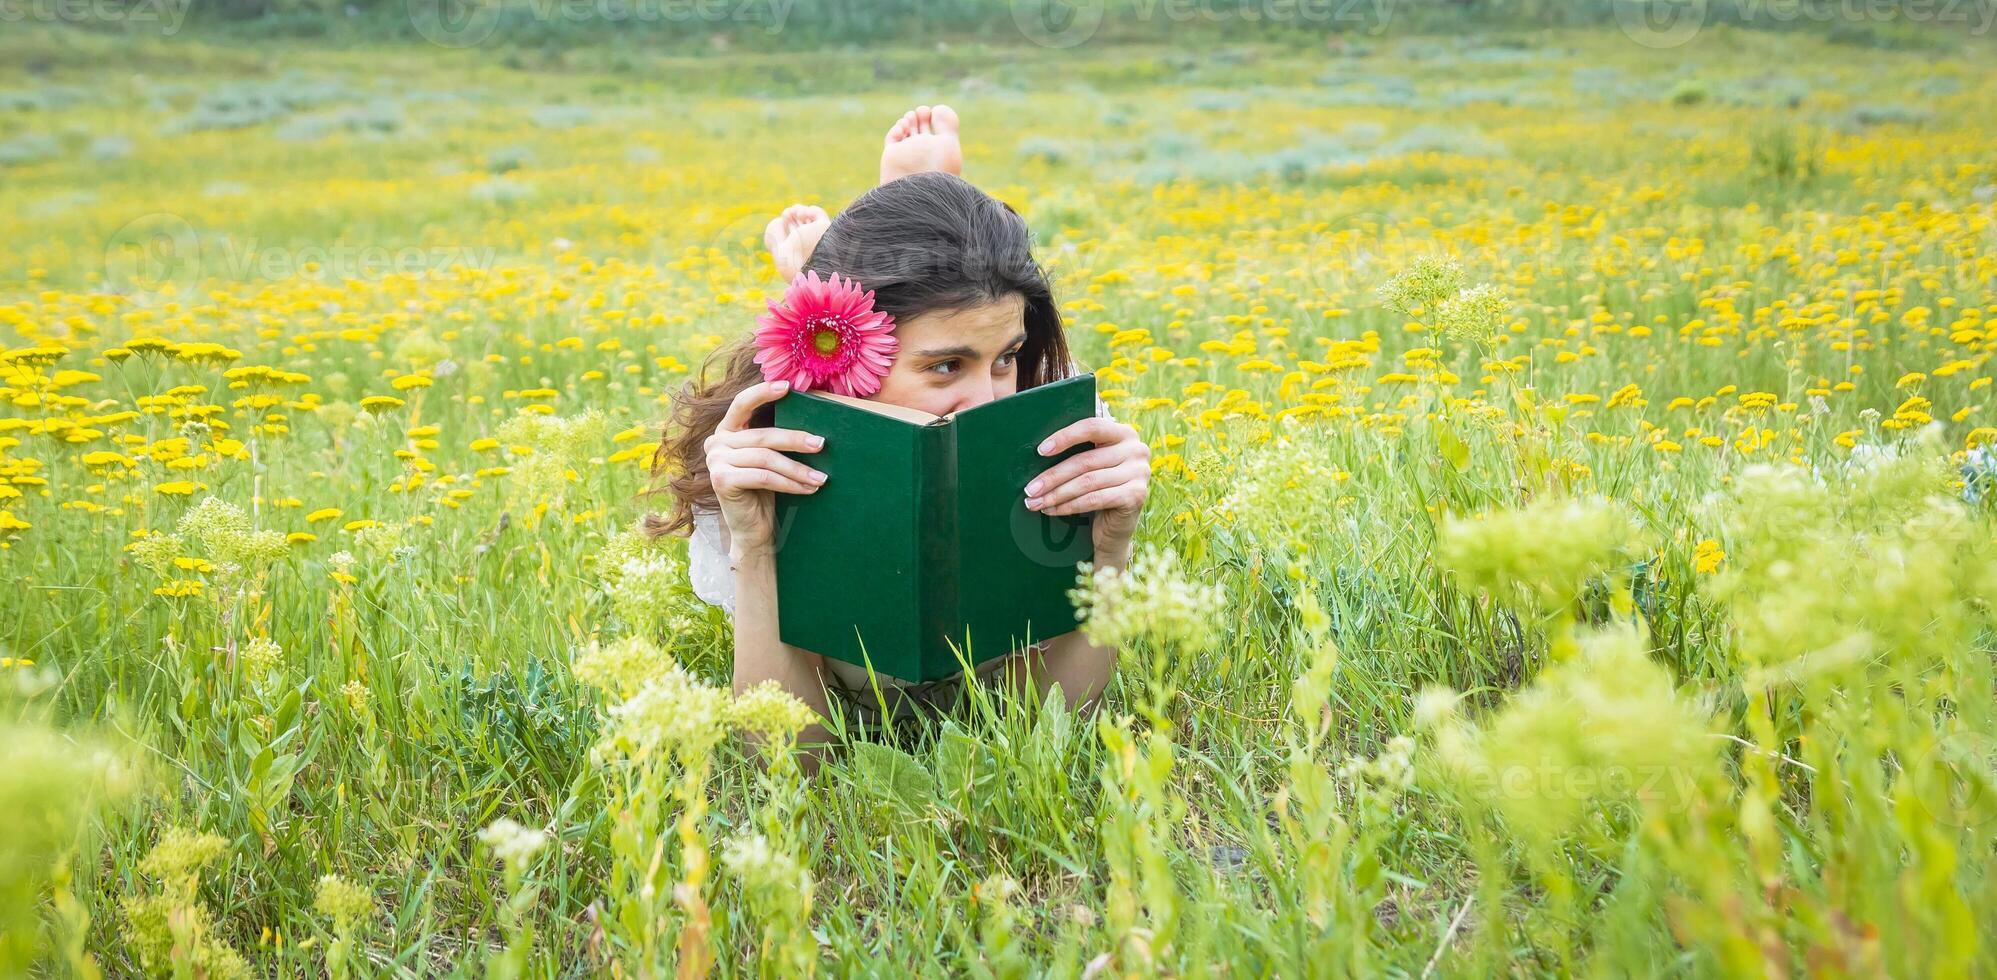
826 334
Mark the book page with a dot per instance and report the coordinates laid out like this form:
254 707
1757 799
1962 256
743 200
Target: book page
912 415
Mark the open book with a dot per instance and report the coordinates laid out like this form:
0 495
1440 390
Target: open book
919 540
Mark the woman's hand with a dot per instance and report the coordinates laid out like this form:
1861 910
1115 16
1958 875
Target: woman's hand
747 465
1112 480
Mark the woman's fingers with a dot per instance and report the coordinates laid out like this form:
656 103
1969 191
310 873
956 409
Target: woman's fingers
1127 496
1100 431
786 440
1101 457
1119 456
755 458
747 401
743 458
1055 499
735 480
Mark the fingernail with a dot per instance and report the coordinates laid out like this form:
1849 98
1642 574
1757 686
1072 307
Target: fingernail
817 477
782 386
815 441
1033 488
1033 503
1046 447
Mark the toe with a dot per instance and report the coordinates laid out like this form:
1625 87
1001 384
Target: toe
775 232
922 119
902 127
943 119
807 238
813 214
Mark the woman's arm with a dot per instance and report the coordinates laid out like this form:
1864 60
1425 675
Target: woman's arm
759 654
1111 481
747 466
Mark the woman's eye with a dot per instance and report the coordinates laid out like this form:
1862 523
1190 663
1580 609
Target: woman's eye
1008 358
944 367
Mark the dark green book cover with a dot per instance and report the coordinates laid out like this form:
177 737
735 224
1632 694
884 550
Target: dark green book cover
920 538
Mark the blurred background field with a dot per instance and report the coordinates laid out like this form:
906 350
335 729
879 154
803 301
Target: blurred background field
336 359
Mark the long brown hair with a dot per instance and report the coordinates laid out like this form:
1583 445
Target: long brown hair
925 242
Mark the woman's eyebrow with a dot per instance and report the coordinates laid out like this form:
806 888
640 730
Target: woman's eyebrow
963 350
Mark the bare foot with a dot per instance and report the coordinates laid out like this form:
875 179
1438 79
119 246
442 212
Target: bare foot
923 139
792 235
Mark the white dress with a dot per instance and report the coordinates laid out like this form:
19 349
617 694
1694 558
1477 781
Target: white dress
707 567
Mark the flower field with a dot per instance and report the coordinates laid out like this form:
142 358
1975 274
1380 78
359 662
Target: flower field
1569 548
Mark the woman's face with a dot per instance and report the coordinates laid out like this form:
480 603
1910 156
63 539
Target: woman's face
952 360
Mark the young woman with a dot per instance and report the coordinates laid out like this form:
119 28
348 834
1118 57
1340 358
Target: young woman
974 320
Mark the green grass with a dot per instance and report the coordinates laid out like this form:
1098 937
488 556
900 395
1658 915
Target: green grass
1817 700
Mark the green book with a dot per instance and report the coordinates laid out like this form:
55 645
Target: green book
918 549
